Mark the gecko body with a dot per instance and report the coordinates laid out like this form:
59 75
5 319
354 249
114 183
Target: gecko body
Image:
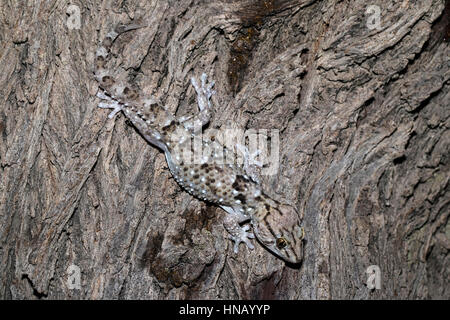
275 225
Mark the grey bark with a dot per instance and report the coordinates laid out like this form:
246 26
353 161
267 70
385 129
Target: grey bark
364 125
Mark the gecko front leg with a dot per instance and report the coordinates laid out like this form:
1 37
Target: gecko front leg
204 93
108 103
237 233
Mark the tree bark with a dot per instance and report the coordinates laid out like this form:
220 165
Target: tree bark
363 115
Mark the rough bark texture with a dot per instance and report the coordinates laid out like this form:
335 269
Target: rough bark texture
364 126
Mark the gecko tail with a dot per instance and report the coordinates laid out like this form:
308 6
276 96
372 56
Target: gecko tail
103 53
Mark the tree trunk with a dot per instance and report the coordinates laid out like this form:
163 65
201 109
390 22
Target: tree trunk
362 109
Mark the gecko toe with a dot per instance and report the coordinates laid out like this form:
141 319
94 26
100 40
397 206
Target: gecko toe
249 244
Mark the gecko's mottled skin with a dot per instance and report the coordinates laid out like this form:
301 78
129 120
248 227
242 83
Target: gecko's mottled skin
275 225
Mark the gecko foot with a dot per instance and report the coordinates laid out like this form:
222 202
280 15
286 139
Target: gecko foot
204 93
109 103
242 236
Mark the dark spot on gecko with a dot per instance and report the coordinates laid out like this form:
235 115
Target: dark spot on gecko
130 93
154 108
204 165
214 189
241 198
258 198
196 176
108 81
239 183
100 62
169 126
142 117
267 207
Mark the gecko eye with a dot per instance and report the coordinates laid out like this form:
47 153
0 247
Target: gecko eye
281 243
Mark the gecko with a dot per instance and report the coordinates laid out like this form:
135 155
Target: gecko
250 213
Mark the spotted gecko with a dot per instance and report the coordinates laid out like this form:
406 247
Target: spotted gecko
275 225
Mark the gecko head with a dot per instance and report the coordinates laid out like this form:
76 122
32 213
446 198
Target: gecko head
278 229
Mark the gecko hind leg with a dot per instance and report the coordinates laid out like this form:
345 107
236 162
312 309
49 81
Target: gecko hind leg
237 233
